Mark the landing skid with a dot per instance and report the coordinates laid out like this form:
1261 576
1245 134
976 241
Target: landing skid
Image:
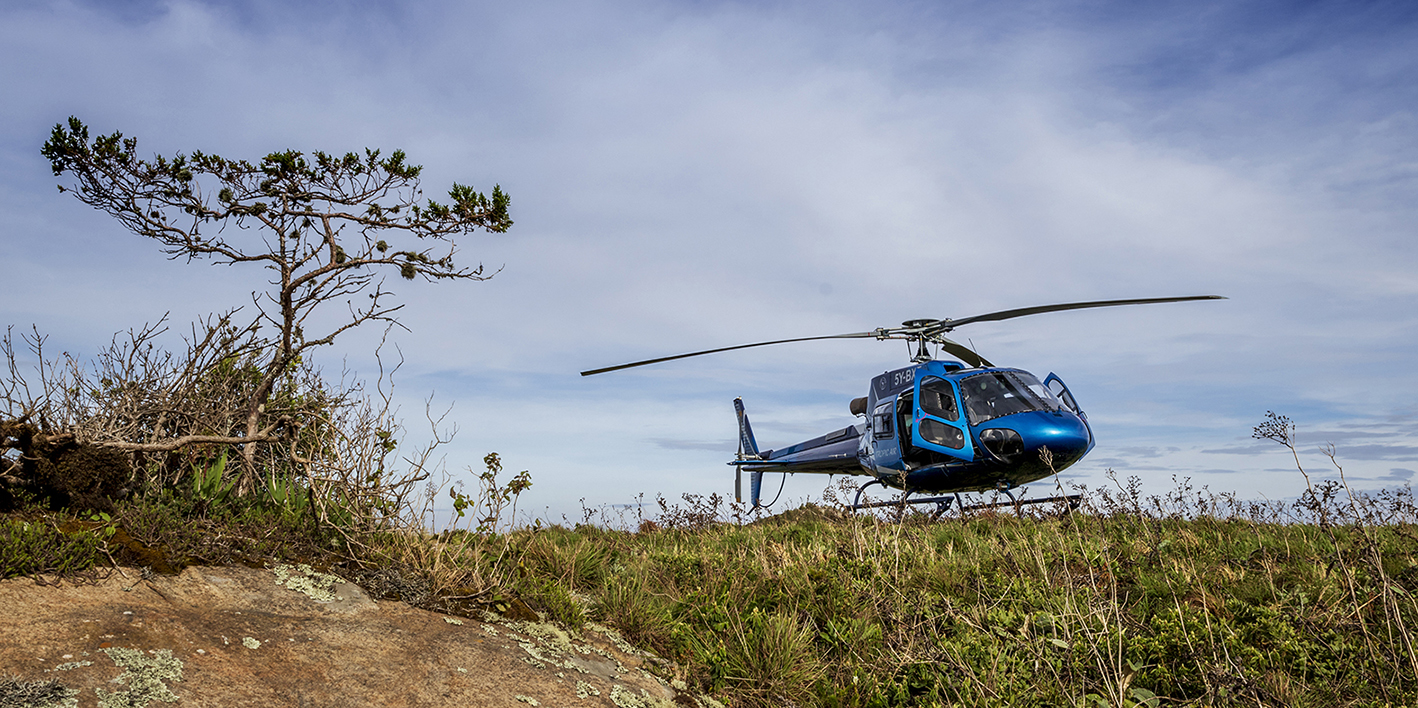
1072 500
943 502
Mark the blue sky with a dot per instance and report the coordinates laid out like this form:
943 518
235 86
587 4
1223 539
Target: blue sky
692 175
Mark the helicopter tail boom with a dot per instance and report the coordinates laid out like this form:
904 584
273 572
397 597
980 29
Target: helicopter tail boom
833 453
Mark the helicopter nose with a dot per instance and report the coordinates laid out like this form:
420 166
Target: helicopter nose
1065 436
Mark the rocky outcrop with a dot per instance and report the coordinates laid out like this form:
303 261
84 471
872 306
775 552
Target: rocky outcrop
290 636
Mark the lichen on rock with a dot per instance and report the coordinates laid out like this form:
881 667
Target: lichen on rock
615 638
625 698
549 634
304 579
144 674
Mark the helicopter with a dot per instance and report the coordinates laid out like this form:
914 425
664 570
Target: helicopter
938 426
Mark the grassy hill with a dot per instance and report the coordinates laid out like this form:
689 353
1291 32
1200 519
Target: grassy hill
1184 599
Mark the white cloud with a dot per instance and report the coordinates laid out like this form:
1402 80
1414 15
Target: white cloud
689 177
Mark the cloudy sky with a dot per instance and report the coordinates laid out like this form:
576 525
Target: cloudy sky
699 174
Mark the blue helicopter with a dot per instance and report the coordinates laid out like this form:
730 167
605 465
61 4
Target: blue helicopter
939 426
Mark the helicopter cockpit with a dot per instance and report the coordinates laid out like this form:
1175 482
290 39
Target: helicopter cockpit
995 394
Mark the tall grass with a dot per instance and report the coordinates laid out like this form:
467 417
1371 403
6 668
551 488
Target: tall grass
1185 598
1182 598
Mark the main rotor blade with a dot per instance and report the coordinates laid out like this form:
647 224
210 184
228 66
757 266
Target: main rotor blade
964 353
947 325
853 335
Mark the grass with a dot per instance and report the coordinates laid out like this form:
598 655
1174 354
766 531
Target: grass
15 693
1186 598
1122 603
39 545
164 532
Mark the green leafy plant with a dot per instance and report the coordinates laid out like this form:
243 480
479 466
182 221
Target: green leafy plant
209 482
287 496
493 498
106 527
30 548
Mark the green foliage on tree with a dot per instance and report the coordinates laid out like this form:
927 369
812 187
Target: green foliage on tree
325 227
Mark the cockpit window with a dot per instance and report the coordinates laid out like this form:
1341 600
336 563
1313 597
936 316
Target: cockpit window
996 394
938 399
881 420
1042 392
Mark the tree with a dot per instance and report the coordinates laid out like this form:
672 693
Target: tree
327 227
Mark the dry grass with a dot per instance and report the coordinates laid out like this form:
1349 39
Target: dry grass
1184 598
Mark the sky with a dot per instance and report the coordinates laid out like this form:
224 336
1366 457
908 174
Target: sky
689 175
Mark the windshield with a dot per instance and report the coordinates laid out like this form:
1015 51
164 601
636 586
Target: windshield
996 394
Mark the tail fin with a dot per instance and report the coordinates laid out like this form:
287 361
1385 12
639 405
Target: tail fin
748 449
755 482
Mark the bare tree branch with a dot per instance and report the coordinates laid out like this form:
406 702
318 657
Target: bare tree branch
326 226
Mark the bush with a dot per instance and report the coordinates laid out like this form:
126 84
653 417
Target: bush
30 548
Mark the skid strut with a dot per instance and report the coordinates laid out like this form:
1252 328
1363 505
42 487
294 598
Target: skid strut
921 500
857 503
943 502
1073 500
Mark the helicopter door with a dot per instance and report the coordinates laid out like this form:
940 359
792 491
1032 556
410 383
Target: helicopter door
1056 386
939 425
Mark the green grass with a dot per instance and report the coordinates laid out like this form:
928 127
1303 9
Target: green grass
165 532
1187 598
1107 606
30 547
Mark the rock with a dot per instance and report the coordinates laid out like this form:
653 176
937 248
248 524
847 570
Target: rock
235 636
